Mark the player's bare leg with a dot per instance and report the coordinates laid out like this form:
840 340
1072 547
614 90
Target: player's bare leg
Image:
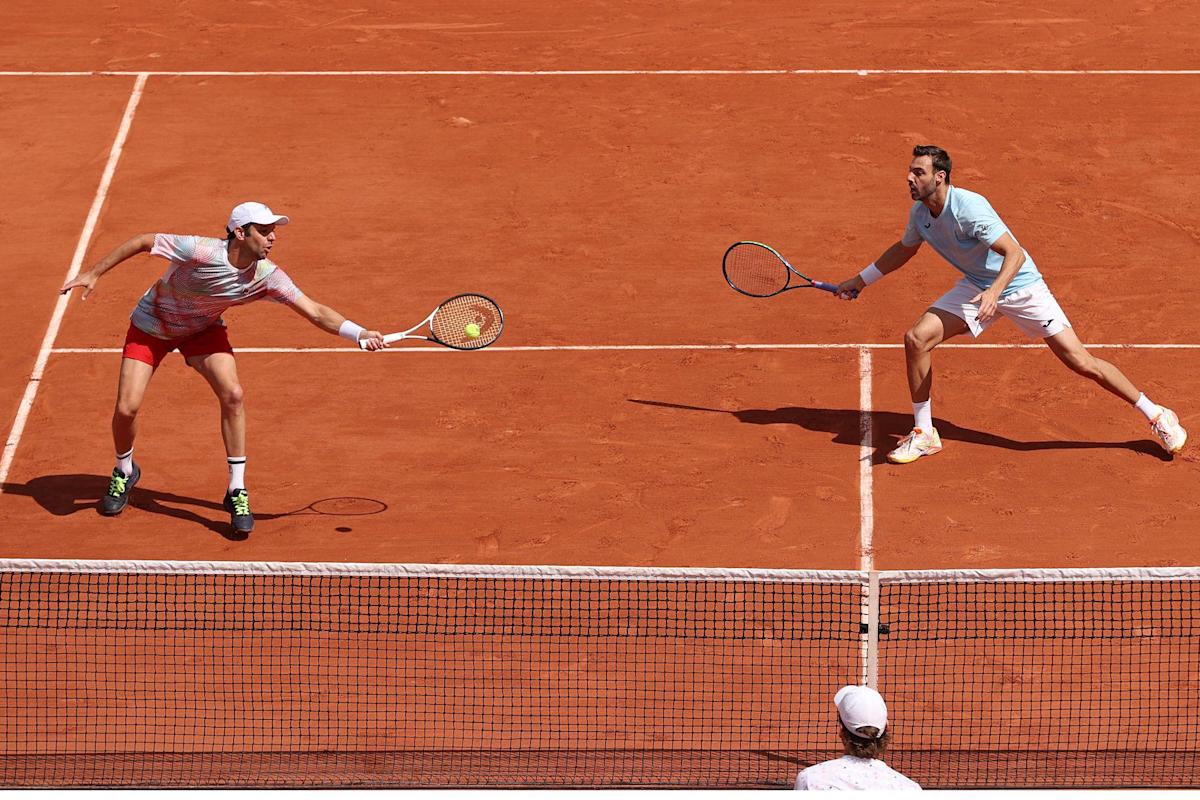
220 370
131 391
934 327
1069 350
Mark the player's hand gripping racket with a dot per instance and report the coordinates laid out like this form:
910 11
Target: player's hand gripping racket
464 322
756 270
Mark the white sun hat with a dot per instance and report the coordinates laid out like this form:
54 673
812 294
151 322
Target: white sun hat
861 707
256 213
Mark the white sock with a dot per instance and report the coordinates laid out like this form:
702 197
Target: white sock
1144 405
125 463
923 413
237 473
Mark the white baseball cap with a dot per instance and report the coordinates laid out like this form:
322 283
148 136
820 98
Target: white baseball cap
256 213
861 707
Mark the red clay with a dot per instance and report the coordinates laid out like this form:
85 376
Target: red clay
426 34
56 134
595 210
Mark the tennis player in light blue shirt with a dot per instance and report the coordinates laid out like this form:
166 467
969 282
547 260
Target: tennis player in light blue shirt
964 234
999 279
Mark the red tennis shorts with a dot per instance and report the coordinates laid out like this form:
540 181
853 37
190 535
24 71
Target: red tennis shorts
141 346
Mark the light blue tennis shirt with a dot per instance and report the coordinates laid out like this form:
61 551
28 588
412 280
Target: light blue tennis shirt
963 234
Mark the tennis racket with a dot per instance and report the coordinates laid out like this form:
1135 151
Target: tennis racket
756 270
464 322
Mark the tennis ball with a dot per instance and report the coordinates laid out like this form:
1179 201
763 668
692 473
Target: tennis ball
472 330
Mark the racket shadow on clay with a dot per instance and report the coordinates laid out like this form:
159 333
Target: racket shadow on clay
333 507
888 427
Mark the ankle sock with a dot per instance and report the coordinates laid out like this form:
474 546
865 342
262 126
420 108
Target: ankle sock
237 473
923 416
1148 408
125 463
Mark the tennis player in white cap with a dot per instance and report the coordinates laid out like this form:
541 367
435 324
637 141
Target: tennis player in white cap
182 311
862 715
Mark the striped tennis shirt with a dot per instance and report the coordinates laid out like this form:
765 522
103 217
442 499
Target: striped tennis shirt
200 284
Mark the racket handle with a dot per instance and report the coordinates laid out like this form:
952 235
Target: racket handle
831 288
388 339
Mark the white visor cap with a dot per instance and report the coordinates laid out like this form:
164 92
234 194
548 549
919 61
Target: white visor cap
861 707
256 213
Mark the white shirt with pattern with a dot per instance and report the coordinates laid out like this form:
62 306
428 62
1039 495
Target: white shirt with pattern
200 285
849 772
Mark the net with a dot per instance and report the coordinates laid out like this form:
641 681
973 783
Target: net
1043 678
337 675
206 674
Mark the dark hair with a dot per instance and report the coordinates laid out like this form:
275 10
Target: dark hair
229 233
870 744
941 159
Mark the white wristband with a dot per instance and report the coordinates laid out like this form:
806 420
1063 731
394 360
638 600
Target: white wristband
350 331
870 274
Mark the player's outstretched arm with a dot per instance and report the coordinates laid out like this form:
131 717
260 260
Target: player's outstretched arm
331 321
892 259
87 280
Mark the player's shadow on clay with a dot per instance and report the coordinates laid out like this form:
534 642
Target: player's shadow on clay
63 495
887 427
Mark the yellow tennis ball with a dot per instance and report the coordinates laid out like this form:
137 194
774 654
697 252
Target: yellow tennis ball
472 330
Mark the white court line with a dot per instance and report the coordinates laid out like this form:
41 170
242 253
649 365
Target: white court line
60 308
866 523
866 451
604 347
484 73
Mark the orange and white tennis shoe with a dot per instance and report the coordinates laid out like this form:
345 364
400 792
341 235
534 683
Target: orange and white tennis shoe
916 444
1167 428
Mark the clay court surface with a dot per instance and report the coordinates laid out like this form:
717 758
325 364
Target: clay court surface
595 208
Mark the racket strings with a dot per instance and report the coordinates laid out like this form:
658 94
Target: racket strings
755 270
449 324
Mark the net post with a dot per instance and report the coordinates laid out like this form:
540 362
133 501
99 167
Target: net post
871 661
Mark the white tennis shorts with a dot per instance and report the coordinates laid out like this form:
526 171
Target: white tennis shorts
1032 309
